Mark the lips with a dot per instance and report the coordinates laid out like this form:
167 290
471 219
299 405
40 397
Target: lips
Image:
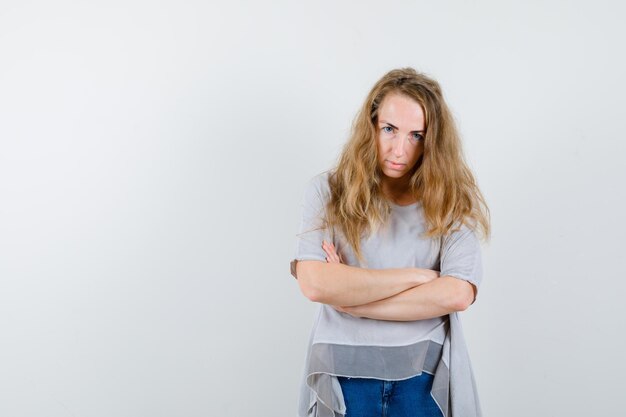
395 165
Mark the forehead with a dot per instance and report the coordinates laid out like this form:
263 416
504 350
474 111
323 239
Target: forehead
399 109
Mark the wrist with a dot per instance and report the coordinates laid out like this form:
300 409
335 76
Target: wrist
422 275
417 276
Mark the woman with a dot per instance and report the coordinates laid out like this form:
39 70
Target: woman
389 248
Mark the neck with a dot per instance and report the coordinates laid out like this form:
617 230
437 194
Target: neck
397 189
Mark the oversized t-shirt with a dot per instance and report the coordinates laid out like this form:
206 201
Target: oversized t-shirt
343 345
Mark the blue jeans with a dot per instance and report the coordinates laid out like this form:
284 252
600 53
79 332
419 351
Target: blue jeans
366 397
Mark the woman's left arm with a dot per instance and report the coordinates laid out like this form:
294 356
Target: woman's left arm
436 298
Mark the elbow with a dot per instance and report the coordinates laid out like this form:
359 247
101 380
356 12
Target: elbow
463 295
308 280
310 291
461 304
312 294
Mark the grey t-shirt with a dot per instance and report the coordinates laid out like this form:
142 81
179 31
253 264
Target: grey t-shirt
343 345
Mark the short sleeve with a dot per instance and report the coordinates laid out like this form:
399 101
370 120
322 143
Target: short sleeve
461 256
312 231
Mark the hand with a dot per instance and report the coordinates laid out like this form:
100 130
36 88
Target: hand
339 309
331 251
333 257
427 275
348 310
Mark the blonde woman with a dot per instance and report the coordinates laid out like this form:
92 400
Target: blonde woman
389 248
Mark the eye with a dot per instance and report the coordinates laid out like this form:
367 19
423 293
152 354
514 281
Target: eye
417 137
387 129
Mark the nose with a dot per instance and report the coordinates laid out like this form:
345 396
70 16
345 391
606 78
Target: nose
398 146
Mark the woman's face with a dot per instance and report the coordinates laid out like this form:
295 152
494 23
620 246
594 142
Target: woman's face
400 136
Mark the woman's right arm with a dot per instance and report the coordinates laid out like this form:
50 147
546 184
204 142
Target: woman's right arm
336 283
345 285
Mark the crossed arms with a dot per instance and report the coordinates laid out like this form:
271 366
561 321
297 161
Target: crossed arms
399 294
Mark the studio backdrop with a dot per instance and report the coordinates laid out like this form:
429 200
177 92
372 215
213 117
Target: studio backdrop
153 159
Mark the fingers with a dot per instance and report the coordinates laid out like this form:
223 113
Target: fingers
340 309
346 310
331 251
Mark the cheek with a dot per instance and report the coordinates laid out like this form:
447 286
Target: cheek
384 145
417 153
380 148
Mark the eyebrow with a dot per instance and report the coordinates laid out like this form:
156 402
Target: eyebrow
383 121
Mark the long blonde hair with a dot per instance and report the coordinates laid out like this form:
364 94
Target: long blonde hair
440 180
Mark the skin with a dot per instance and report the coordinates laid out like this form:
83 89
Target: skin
435 297
401 127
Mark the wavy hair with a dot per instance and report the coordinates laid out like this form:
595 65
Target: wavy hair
440 179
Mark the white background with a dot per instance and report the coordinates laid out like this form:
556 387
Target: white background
153 157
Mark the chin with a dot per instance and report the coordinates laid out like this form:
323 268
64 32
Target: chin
395 174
